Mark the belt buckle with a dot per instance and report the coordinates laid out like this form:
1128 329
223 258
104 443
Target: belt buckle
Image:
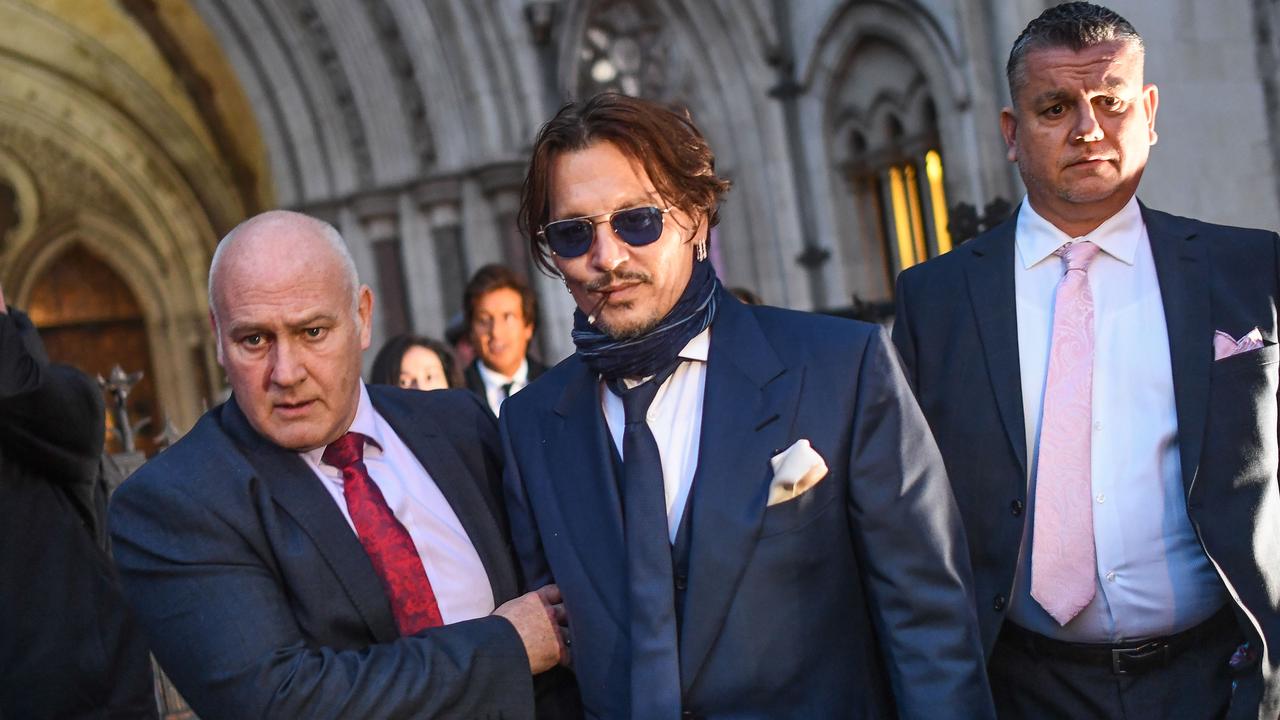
1146 651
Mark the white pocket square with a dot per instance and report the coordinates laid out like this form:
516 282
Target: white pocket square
795 471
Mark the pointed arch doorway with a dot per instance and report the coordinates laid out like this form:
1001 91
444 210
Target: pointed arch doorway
90 318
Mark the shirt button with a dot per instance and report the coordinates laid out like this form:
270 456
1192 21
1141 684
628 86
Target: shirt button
998 603
1097 425
651 416
1111 576
1102 498
1016 507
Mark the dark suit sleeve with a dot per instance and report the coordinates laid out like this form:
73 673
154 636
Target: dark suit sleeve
51 416
222 625
910 539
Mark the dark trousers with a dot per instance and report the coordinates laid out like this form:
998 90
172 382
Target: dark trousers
1195 684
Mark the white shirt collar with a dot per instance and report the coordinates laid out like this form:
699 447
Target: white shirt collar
366 423
1118 236
698 349
493 378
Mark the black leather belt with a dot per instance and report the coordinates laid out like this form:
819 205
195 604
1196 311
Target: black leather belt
1124 658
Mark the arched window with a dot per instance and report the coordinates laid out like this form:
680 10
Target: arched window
916 207
893 163
623 49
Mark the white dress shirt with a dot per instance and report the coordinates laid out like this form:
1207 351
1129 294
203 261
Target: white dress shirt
675 419
1153 577
494 381
453 566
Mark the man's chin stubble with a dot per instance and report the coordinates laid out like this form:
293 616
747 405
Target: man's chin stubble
626 332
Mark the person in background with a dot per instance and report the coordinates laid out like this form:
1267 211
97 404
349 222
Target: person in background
501 312
415 362
69 647
458 335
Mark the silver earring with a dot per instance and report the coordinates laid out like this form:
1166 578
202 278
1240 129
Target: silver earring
701 250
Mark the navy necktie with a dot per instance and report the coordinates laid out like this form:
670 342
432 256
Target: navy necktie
655 659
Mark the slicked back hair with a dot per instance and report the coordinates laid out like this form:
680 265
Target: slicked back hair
663 140
1074 25
495 276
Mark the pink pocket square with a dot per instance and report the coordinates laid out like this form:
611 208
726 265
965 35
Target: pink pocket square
1224 346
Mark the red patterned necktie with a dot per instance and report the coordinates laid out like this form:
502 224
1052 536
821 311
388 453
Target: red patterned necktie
385 540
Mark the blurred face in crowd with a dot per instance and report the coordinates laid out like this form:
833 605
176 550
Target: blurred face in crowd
421 369
629 289
500 330
1080 130
291 329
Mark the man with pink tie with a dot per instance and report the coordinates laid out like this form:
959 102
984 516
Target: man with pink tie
1101 379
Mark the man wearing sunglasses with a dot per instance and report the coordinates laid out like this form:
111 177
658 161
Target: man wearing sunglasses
742 506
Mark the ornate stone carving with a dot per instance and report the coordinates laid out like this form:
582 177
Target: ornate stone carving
117 386
624 48
410 91
321 43
66 183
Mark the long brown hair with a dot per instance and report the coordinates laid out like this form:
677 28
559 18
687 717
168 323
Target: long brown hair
664 140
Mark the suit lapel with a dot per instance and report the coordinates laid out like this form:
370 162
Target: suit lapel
474 382
989 270
749 407
580 459
421 434
296 489
1182 268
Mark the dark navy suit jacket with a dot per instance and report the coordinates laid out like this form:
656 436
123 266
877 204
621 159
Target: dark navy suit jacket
822 606
957 331
260 601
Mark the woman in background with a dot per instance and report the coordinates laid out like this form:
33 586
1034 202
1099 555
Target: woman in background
415 362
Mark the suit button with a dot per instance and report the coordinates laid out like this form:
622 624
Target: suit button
998 603
1016 507
682 582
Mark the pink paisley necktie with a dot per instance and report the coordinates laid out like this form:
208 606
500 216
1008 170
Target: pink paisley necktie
1063 566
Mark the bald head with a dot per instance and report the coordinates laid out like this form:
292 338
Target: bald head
280 242
292 323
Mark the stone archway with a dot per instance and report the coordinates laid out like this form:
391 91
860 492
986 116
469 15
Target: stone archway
88 317
113 156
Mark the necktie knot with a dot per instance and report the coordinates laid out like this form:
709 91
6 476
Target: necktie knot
345 451
1078 254
385 539
636 400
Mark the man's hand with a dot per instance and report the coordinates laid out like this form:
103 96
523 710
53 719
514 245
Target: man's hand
540 619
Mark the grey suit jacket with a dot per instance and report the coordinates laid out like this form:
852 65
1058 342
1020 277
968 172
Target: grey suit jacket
260 601
957 332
